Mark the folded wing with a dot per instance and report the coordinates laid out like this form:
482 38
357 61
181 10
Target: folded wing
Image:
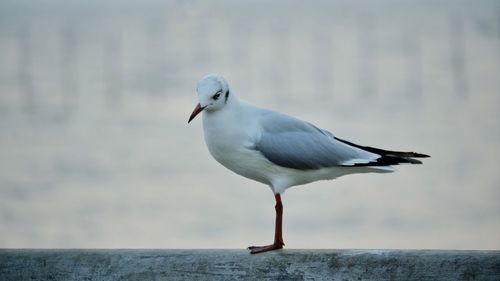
293 143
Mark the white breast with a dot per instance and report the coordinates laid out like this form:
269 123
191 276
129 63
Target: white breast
230 136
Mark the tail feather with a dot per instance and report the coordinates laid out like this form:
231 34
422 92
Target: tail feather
388 157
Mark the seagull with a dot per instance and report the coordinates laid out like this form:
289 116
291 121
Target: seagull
279 150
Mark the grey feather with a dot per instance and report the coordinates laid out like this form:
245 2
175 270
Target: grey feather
293 143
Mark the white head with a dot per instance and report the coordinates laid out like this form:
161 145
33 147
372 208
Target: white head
213 94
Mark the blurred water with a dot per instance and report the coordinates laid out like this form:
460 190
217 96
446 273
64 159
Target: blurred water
95 150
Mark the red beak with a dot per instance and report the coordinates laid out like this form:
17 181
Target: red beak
196 110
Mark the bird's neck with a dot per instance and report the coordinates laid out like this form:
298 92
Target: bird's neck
219 125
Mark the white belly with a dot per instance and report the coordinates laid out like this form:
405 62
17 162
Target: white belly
243 161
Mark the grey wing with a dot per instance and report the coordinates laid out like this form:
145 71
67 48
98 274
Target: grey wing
292 143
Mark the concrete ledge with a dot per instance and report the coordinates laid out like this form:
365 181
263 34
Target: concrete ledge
16 264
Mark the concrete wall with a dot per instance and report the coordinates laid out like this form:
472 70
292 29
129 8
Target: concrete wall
141 265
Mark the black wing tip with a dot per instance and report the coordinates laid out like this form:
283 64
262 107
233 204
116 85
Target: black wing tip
412 161
405 154
421 155
388 153
388 160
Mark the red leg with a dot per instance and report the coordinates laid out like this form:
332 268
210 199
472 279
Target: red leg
278 231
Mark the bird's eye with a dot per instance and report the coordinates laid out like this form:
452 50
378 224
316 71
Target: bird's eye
217 95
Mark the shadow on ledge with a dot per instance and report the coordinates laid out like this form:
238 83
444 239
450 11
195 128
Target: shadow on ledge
86 264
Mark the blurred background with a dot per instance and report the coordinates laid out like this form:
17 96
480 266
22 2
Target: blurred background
96 152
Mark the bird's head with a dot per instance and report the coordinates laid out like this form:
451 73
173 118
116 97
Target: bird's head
213 94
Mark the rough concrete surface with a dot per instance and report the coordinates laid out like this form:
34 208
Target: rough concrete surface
88 264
